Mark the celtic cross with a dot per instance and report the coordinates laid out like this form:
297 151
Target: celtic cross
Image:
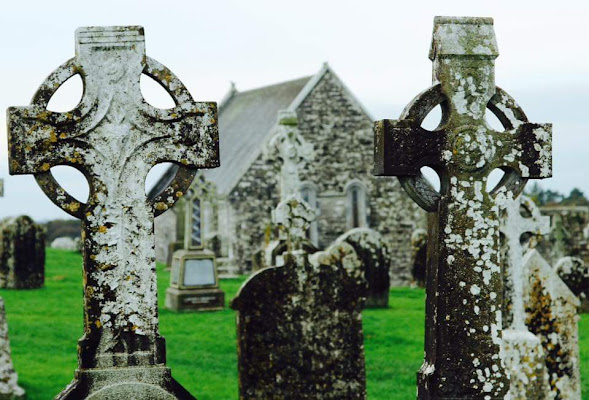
114 137
464 280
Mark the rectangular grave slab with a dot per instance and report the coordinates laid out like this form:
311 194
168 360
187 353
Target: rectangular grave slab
464 282
114 137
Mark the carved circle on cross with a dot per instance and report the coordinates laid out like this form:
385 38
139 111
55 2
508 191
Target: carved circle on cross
178 185
502 105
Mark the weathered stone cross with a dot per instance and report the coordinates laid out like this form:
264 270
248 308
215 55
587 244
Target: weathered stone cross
524 356
293 215
513 226
114 137
292 150
464 280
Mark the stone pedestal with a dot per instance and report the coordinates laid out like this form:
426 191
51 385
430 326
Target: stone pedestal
194 282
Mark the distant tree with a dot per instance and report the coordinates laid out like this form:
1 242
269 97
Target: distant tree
576 197
543 197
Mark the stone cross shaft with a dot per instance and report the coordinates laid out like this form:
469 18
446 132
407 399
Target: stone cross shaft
289 146
114 137
513 226
464 280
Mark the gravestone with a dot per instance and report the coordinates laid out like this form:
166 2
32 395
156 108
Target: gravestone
194 281
419 246
64 243
375 258
299 325
524 355
114 138
22 254
575 273
9 389
291 151
551 314
464 282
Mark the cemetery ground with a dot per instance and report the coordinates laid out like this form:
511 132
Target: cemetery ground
45 324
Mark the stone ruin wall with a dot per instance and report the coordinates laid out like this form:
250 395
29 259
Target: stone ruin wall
339 159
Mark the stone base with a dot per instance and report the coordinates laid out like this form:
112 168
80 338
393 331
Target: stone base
227 269
146 383
195 299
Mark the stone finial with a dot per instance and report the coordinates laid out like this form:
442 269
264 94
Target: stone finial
463 37
114 137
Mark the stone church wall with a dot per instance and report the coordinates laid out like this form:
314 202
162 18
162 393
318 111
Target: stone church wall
342 137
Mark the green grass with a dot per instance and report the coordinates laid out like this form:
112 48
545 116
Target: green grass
45 325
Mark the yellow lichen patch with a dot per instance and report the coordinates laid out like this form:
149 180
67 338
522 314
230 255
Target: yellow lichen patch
102 229
98 323
52 137
62 135
45 167
161 206
179 194
73 206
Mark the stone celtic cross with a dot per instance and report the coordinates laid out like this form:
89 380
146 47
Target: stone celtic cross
293 215
114 137
464 280
513 226
289 146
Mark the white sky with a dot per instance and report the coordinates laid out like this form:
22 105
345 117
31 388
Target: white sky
378 48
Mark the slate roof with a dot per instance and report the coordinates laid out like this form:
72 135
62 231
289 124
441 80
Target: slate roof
245 121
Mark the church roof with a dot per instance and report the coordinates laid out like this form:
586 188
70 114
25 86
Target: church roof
245 121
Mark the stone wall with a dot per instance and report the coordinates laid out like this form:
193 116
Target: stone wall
342 136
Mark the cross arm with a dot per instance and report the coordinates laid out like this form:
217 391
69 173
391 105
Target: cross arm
40 139
401 148
526 149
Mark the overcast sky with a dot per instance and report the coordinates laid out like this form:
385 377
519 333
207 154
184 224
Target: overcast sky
378 48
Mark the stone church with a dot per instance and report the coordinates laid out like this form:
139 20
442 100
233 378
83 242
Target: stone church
237 198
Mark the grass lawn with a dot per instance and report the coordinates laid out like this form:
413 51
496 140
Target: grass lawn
45 325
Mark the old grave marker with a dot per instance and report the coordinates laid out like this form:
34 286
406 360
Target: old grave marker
300 324
551 314
464 280
291 151
22 253
524 355
9 388
114 137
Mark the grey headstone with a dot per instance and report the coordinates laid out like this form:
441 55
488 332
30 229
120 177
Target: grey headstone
22 254
375 259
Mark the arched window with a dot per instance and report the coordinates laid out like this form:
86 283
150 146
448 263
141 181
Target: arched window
355 205
309 194
195 223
